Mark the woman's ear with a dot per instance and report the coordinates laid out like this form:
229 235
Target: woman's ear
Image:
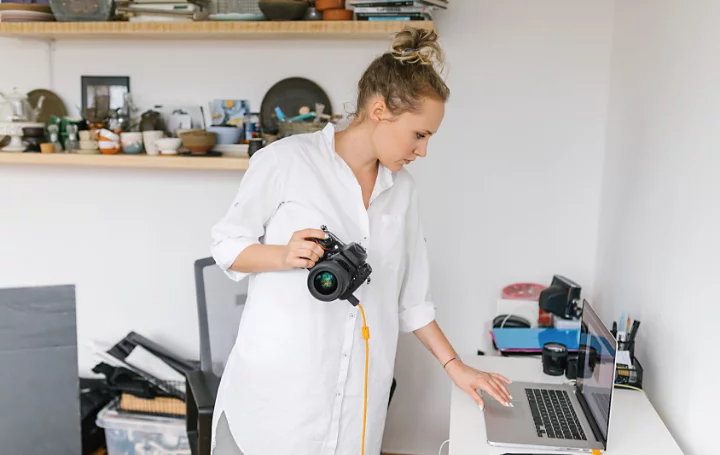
377 110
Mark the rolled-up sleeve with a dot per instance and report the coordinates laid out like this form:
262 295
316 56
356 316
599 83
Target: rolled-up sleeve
257 199
416 306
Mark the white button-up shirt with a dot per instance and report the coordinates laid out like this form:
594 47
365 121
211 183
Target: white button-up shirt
294 381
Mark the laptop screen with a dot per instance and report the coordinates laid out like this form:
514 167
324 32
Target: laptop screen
596 367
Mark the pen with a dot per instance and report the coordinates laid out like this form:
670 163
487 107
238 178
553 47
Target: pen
633 332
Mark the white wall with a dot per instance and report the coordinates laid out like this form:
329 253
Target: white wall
510 189
25 65
511 186
658 247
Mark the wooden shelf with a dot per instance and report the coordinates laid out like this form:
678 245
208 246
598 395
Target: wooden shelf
127 161
208 30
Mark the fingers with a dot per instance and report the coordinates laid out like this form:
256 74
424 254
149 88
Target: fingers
495 393
314 247
501 391
307 253
501 387
494 387
501 378
310 234
476 396
300 262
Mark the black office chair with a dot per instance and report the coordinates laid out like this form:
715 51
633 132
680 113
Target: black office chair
227 299
223 312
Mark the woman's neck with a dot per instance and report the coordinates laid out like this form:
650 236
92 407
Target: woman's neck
354 147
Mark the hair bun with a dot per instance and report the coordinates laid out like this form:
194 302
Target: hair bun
416 45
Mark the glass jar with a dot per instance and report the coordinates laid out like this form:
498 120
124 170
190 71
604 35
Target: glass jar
82 10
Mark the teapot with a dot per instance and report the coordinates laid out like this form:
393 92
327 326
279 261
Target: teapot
16 108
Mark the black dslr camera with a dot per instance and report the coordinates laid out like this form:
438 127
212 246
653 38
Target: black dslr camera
340 270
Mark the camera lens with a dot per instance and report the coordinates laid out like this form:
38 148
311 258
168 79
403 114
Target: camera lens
328 280
325 283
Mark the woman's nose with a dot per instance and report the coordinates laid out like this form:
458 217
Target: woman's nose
421 151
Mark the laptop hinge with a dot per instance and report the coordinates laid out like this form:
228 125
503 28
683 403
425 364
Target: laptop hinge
590 418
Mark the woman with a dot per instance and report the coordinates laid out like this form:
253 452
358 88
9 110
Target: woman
295 380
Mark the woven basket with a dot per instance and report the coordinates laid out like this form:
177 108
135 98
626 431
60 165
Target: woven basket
288 129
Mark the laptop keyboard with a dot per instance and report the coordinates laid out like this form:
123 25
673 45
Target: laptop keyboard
554 415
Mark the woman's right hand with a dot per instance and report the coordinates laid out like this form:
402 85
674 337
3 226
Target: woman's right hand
300 252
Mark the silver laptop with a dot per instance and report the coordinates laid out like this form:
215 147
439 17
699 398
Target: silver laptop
561 417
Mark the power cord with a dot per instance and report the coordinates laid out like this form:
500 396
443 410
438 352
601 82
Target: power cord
366 337
443 445
625 386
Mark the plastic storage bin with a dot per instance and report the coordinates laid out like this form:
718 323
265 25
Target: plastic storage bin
130 434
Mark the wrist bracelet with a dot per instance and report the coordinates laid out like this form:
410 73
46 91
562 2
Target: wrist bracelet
446 363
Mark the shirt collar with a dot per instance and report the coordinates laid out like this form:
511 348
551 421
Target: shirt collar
385 178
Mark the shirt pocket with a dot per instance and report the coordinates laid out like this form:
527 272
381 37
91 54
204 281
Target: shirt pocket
391 240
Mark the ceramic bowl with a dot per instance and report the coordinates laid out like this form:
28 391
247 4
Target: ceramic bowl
226 134
199 142
88 145
283 10
109 147
149 138
34 131
168 145
132 142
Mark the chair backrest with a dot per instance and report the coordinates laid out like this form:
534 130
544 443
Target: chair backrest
220 302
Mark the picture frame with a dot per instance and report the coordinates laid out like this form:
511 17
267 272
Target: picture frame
113 87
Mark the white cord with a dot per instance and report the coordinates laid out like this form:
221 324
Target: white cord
502 325
443 445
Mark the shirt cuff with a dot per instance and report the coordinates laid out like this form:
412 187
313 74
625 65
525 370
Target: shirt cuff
417 317
225 254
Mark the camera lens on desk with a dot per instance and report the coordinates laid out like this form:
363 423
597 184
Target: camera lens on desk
554 358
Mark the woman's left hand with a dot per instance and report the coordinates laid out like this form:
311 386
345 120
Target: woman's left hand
469 380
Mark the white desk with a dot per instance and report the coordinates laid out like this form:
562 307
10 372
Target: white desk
635 427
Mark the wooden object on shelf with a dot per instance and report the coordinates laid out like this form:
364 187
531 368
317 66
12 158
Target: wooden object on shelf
126 161
155 406
208 30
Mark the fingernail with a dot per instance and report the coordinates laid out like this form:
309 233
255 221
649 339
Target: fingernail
509 405
481 407
510 397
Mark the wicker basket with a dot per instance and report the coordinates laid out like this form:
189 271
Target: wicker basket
288 129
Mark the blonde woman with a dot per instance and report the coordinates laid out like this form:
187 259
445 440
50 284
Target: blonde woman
295 380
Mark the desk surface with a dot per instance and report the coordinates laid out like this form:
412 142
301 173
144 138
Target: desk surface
631 409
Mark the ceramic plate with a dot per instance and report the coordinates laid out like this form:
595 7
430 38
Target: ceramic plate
52 105
290 95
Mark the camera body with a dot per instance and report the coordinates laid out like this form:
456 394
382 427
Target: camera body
561 298
340 271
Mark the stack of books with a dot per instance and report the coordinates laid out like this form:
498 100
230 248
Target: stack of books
396 10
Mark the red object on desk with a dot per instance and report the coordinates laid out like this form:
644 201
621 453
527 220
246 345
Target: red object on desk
522 291
531 292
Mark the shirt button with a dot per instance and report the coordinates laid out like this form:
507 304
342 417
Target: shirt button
345 355
352 315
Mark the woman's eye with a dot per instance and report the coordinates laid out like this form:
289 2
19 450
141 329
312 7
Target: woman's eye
419 135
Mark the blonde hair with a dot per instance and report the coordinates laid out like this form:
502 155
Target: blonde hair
406 74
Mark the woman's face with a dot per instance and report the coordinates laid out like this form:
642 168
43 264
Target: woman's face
399 140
